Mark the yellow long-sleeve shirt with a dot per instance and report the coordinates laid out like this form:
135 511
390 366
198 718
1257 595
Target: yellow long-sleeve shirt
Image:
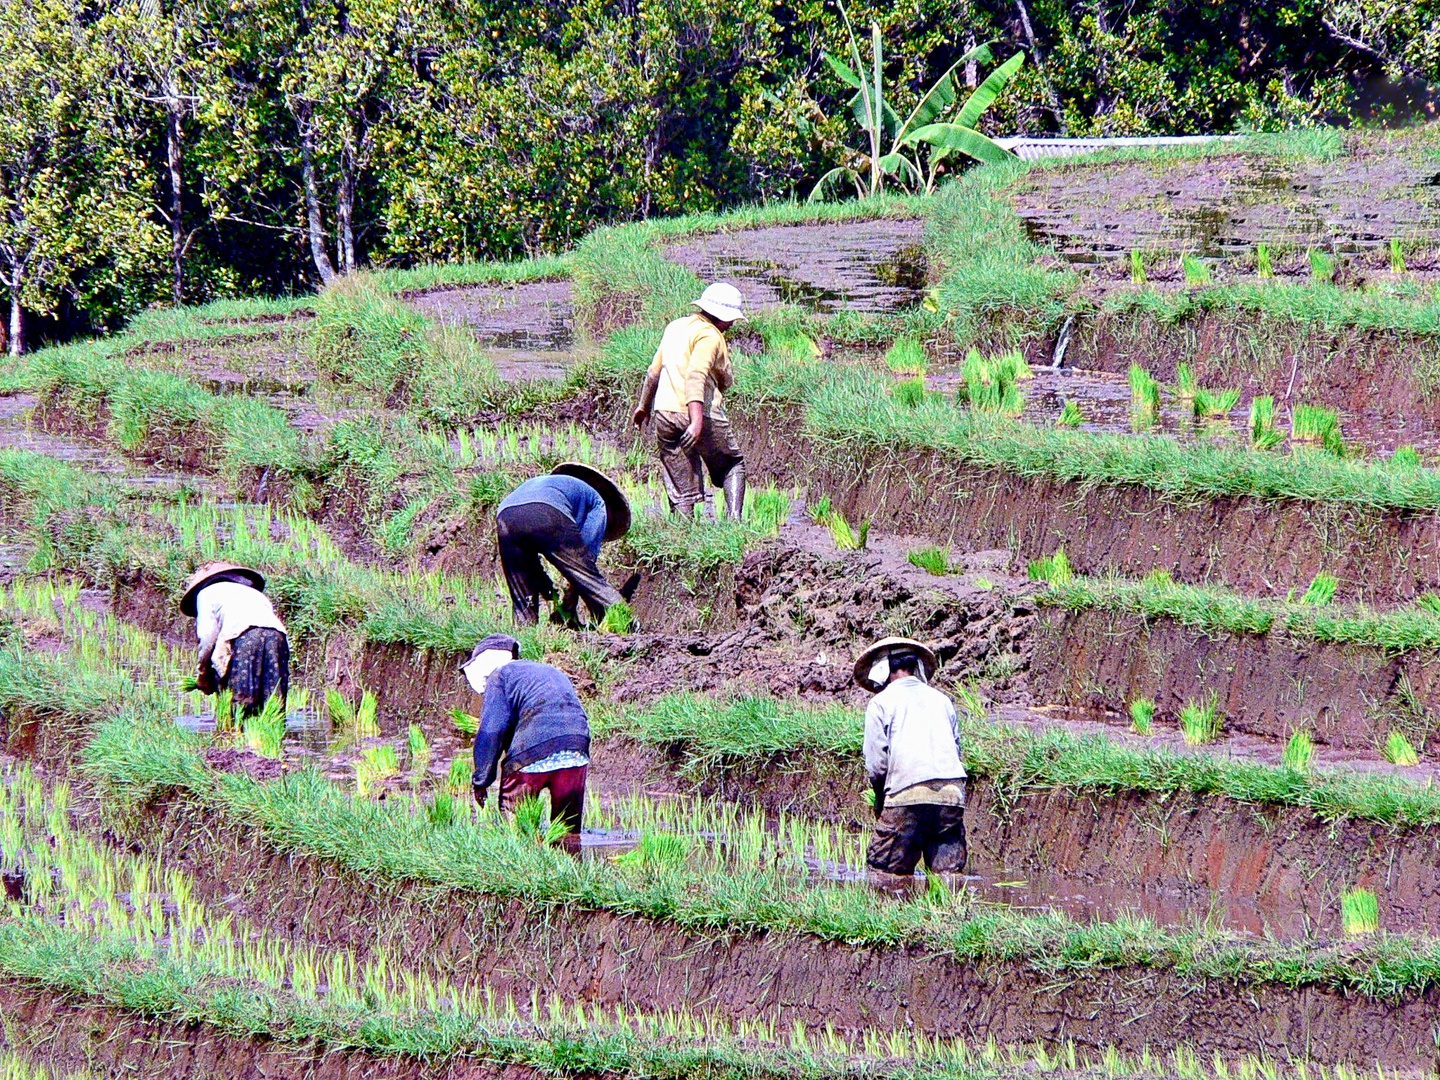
693 364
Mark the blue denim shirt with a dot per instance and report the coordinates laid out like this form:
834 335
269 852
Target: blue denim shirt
574 498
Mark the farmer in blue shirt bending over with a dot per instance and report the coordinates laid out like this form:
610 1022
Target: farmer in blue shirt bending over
532 716
563 517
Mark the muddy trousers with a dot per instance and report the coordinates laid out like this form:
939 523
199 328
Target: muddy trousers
717 452
259 669
532 530
567 796
906 833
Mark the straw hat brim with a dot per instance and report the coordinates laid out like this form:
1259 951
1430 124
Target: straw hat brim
617 507
206 574
723 312
866 660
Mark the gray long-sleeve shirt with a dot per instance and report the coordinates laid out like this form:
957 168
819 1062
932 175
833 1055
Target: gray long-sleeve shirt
911 736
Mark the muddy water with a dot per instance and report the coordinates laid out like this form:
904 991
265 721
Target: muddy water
527 328
1224 206
1104 402
866 266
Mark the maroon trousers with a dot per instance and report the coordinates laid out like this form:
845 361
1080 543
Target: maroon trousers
567 796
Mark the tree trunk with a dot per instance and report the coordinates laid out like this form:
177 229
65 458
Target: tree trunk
173 152
1055 106
316 225
17 319
344 221
972 69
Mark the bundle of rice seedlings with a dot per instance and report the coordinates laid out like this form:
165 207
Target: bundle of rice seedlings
467 724
992 385
419 749
820 512
1406 457
847 538
1321 590
1200 721
1263 434
224 711
977 381
909 394
1360 912
1185 385
265 731
1263 266
376 765
1215 403
1011 366
657 851
1137 267
1298 751
1142 716
1397 257
766 509
1322 266
906 357
351 722
933 560
619 619
1196 270
1144 398
1053 569
462 768
1316 424
443 810
1070 415
1399 750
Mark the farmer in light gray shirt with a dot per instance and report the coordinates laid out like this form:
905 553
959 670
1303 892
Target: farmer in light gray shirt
912 753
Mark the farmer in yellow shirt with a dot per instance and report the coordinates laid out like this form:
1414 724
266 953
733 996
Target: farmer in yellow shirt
683 387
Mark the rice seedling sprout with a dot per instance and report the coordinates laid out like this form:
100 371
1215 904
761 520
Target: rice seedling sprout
909 393
933 560
907 357
1298 751
1142 716
1070 415
1200 721
1321 590
1399 750
1264 267
1137 267
1360 912
1196 270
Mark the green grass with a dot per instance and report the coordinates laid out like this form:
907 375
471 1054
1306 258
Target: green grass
909 393
907 357
1201 721
932 560
1070 415
1052 569
1298 751
1142 716
1321 590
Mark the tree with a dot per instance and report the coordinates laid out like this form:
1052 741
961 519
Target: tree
73 216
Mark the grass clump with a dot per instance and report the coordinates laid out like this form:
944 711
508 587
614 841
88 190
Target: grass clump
933 560
1200 721
991 385
907 357
910 393
1215 403
1359 912
1070 415
1398 750
1298 751
1053 569
1142 716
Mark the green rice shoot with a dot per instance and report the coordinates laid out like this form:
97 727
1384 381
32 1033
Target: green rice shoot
1052 569
376 765
1070 415
1322 266
933 560
1264 267
1397 256
1197 271
1399 750
1186 386
907 357
1201 721
619 619
1263 433
1321 590
1137 267
909 393
1317 424
1298 751
1406 457
1144 398
265 730
1142 716
1360 912
1215 403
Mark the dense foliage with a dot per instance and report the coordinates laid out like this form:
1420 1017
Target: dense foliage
155 150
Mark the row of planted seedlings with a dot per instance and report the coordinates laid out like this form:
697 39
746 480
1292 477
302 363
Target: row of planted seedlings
684 884
404 619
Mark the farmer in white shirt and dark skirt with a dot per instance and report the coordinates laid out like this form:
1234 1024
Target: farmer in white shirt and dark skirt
243 646
912 753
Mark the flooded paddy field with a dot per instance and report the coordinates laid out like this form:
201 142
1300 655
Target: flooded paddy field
1184 704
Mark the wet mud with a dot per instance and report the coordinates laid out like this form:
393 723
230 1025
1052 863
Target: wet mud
865 266
527 328
1223 205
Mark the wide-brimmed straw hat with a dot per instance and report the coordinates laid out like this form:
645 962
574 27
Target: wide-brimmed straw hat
617 507
721 301
211 572
898 646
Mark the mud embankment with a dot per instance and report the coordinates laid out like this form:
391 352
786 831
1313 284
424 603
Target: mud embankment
1348 696
1385 382
72 1037
643 964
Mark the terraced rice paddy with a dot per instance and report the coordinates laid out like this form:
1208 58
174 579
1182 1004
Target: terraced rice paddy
1188 656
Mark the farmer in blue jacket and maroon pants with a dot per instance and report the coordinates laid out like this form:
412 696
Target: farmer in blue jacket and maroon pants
533 718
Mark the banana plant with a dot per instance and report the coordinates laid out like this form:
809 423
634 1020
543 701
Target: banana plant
868 169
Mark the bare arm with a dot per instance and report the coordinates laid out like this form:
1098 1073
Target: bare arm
647 399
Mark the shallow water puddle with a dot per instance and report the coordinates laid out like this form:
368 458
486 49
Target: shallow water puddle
527 328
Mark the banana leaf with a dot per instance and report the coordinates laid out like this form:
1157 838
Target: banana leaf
988 91
961 139
942 94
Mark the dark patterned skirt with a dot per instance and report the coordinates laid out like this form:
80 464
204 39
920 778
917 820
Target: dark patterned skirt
259 669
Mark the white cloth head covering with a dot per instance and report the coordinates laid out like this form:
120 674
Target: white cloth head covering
481 666
722 301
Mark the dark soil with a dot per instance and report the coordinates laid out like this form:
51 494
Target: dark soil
651 966
868 266
73 1038
527 328
1382 189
